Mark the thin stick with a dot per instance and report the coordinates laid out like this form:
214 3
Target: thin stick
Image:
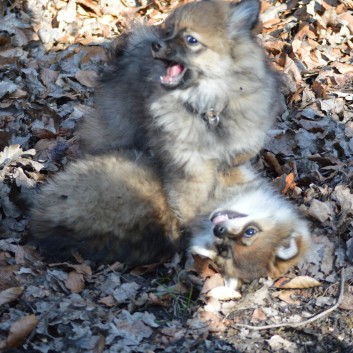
302 323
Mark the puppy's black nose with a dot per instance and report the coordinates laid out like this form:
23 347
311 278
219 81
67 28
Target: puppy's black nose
156 46
219 230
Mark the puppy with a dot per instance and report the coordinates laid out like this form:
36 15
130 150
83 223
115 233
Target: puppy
113 208
196 93
106 208
130 77
254 233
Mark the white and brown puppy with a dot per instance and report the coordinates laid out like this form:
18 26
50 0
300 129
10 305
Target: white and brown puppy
197 92
113 208
255 233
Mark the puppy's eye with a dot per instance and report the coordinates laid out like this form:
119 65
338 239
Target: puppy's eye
168 32
191 40
249 232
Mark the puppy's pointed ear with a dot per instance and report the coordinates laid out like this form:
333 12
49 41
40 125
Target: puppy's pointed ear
299 241
286 253
244 16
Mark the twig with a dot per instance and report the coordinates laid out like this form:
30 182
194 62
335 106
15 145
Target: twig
302 323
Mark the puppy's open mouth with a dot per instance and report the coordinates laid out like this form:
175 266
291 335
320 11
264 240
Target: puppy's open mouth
173 75
222 216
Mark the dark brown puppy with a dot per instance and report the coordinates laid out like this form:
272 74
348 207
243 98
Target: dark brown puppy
106 208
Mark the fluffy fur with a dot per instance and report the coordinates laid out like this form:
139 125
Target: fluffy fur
254 233
122 89
107 208
196 92
113 208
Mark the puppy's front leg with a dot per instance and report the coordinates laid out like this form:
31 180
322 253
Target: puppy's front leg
189 191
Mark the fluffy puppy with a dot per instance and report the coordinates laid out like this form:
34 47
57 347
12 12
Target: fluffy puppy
210 108
254 233
123 86
106 208
113 208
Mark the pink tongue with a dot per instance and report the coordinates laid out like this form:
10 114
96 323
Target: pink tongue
174 70
219 219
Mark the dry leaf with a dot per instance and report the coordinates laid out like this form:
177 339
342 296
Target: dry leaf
92 5
10 294
213 305
10 153
286 296
224 293
277 343
80 268
20 330
320 210
344 68
211 282
198 326
213 320
86 77
290 184
258 315
109 301
299 282
347 302
141 270
75 282
204 266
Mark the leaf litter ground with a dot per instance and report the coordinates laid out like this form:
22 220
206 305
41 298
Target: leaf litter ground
50 52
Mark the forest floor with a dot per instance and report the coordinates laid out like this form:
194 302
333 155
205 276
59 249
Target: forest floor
50 53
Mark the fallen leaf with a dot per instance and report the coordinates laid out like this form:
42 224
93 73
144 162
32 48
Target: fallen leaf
347 302
141 270
223 293
198 326
286 296
10 153
213 320
6 88
75 282
126 291
204 266
133 328
321 211
277 343
108 301
344 68
212 305
290 184
212 282
87 78
344 196
299 282
20 330
92 5
10 294
258 315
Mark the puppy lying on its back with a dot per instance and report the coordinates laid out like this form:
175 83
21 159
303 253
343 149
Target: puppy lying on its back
255 233
196 92
113 208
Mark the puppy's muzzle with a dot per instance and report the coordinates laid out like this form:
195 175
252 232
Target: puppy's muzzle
220 219
220 230
160 50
